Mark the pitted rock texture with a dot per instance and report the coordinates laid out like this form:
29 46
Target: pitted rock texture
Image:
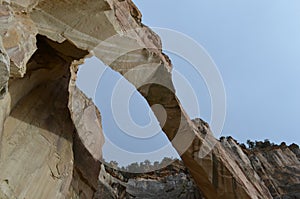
56 151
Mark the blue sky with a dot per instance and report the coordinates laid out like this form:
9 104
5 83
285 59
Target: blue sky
98 82
256 47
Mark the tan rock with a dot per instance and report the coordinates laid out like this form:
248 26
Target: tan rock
39 138
4 70
36 152
37 159
19 38
279 168
173 181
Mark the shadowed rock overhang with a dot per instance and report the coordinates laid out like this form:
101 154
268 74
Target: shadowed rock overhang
45 121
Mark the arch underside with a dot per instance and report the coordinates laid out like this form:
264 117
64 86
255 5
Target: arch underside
45 52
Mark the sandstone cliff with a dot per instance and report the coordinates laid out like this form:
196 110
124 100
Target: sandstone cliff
276 166
50 132
173 181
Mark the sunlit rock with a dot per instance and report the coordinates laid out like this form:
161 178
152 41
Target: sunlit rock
51 134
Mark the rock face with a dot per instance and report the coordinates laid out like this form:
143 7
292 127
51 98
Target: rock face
50 132
4 70
173 181
36 134
278 167
18 34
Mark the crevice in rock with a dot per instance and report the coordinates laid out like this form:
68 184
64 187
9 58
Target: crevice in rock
3 91
86 170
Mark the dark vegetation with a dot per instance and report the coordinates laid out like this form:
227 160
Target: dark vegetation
142 167
258 144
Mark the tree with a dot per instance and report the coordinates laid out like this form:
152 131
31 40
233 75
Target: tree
259 144
250 144
156 165
147 162
283 144
133 167
147 165
267 143
243 146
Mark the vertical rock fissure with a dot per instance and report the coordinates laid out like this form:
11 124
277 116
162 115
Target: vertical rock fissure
4 70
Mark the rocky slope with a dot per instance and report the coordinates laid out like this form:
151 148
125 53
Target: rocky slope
50 132
279 168
275 166
173 181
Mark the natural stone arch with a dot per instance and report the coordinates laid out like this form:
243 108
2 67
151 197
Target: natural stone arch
86 25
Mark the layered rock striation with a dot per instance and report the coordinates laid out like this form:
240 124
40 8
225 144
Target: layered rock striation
173 181
275 166
50 132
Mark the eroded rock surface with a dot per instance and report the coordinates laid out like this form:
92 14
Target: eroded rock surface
173 181
4 70
277 166
36 152
51 133
19 38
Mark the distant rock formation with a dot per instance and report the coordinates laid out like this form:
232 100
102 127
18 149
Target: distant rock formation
51 134
278 166
173 181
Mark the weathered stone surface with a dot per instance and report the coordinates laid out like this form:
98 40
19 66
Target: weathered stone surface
4 76
237 154
4 70
86 171
36 152
225 177
37 159
279 168
41 149
86 118
174 181
19 38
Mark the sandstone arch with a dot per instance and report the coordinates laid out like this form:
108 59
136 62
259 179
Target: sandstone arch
73 29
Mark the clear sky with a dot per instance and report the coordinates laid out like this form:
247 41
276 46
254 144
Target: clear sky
256 47
98 82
